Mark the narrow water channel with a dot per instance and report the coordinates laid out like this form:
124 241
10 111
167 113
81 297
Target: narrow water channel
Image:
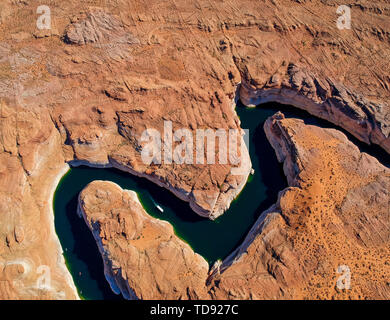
211 239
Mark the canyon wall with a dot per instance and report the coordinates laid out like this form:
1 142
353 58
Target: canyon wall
84 90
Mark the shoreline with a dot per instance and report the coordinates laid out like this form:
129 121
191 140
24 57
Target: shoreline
364 129
212 215
61 261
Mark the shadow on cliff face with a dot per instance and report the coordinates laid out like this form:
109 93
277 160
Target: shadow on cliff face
293 112
272 171
93 282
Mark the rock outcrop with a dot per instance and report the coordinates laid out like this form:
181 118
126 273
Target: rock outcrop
334 218
85 90
326 99
143 258
99 28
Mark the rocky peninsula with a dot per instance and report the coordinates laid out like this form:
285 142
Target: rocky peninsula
143 258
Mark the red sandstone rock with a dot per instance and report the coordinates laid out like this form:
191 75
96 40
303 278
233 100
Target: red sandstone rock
127 67
143 258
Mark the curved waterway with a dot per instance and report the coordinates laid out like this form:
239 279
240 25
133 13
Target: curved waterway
211 239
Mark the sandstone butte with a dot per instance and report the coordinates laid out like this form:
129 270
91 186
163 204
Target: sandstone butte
83 92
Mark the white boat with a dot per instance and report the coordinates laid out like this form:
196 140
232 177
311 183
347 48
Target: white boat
157 206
